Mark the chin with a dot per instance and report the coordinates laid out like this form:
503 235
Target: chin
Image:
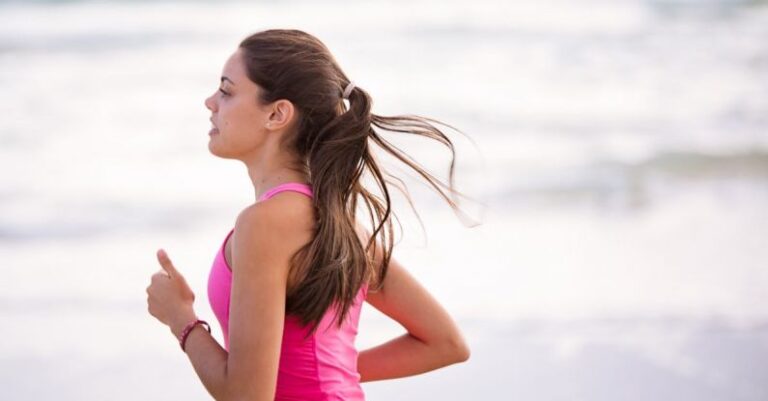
218 152
212 149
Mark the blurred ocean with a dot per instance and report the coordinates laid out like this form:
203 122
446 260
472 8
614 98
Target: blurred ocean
622 152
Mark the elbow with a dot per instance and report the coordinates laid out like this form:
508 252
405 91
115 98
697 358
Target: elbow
462 353
457 350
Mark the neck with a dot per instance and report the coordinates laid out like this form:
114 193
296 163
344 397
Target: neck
267 174
271 166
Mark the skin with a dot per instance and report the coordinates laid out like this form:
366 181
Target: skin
266 235
250 132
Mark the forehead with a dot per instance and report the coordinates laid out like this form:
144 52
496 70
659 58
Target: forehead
234 67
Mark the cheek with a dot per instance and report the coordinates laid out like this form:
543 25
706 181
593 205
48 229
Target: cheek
234 117
239 118
229 122
247 123
240 129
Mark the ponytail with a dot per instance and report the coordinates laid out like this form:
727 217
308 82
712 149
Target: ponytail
334 142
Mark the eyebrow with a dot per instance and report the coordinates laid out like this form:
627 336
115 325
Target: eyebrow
227 79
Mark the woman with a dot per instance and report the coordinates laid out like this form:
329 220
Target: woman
290 277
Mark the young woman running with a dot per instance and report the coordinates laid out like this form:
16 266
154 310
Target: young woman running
289 279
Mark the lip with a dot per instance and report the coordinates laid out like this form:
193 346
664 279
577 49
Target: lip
214 130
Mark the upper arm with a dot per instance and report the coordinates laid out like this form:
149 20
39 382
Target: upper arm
405 300
260 259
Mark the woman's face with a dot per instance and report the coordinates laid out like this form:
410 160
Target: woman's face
238 119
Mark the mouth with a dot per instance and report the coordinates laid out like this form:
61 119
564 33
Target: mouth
214 130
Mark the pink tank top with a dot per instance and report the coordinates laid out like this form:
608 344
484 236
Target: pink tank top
322 368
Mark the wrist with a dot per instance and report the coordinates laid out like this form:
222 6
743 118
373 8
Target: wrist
178 324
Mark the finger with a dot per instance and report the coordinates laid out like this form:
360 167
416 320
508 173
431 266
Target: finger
165 262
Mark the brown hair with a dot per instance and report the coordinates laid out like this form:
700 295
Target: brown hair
333 143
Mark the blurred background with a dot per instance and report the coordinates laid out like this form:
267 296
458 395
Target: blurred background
620 150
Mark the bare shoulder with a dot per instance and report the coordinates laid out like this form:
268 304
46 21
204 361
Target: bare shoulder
274 230
286 212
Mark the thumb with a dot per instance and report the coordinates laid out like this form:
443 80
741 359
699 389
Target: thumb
165 262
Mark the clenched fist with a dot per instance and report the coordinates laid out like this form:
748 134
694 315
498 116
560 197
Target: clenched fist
169 298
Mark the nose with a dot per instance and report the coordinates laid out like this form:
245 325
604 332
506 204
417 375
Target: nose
209 103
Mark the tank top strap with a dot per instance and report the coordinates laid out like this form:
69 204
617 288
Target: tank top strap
287 186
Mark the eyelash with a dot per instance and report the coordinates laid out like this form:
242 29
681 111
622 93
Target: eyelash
225 93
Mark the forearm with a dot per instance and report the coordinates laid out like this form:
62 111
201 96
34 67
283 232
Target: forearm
403 356
209 359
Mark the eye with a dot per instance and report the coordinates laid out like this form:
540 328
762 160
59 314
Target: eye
222 91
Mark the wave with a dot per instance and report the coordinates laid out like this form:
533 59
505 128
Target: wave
636 185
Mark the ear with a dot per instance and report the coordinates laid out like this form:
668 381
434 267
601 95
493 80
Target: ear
281 115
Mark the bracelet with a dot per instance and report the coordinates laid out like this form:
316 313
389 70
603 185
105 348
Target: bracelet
188 329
